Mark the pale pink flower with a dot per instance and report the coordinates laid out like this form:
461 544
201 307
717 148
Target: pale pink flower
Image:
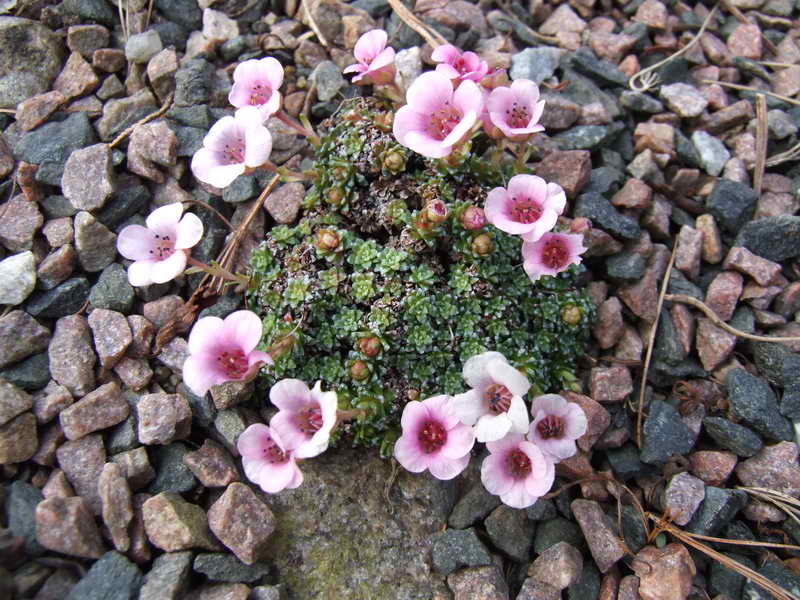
494 404
267 459
529 206
256 83
159 251
551 254
455 64
231 146
221 351
516 110
556 425
517 471
306 417
375 61
433 438
436 118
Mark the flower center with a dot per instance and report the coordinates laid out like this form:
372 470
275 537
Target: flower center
272 452
525 210
499 398
260 94
461 65
518 116
234 151
163 248
443 121
309 420
432 437
518 464
551 427
234 363
555 254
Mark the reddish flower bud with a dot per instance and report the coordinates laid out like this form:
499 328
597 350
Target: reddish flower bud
335 196
571 314
436 211
359 370
473 218
327 239
370 346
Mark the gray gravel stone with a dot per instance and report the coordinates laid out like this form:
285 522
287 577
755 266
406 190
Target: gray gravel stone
328 77
732 204
113 577
554 531
96 245
168 577
475 504
20 512
172 475
773 238
17 277
604 215
194 82
753 401
112 290
28 73
732 436
55 141
31 374
536 64
510 531
456 548
88 179
665 434
776 572
20 336
65 299
141 47
712 152
717 510
220 566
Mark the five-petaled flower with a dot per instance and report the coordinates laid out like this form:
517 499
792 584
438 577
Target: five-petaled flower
494 404
556 425
516 110
375 60
160 250
433 438
256 83
529 206
268 460
221 351
437 118
517 471
233 144
306 416
458 65
551 254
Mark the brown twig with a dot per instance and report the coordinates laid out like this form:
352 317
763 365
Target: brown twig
792 153
164 108
788 504
10 111
691 540
722 324
651 343
434 38
742 19
313 24
762 135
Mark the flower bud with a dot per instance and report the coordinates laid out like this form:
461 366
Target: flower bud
571 314
327 239
412 394
394 162
359 370
370 346
335 196
473 218
436 211
482 244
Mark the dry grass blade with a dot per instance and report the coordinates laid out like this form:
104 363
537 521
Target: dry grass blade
745 88
792 153
313 24
410 19
164 108
647 78
788 504
742 19
691 540
722 324
762 134
650 344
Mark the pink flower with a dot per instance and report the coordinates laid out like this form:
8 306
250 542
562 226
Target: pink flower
516 110
433 439
256 83
457 65
517 471
556 425
221 351
528 207
267 460
159 251
436 118
551 254
494 404
306 417
375 61
231 146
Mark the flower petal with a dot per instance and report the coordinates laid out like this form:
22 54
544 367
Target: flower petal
518 413
502 372
494 475
445 468
253 440
518 496
139 273
409 455
276 477
285 424
197 376
169 268
429 92
290 395
460 440
243 329
189 231
550 404
576 421
205 334
136 242
475 370
469 407
297 478
414 416
506 444
369 45
164 220
490 428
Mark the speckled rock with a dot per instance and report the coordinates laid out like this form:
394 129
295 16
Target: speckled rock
173 524
20 336
605 546
560 565
100 409
664 573
66 525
